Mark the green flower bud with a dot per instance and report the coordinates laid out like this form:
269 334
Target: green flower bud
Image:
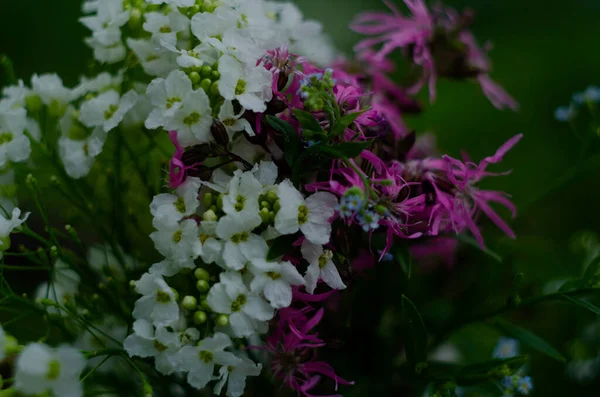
204 304
276 206
265 204
380 209
354 190
5 243
33 104
208 199
272 196
210 216
220 202
265 215
215 75
205 71
202 285
175 293
222 320
12 345
214 88
53 252
189 302
205 85
195 77
201 274
200 317
135 19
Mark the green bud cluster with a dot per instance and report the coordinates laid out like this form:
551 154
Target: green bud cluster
269 206
200 6
317 91
214 207
206 77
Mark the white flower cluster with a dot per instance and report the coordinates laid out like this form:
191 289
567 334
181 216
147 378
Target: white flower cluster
227 235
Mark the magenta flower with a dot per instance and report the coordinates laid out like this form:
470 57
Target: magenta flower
428 38
293 345
461 205
178 168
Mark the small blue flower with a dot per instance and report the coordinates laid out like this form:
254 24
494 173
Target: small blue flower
591 94
354 201
506 348
507 382
387 257
369 220
525 385
564 113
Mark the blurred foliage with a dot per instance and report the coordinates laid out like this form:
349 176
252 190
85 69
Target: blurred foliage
544 51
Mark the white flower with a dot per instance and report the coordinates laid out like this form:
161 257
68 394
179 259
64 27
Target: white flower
275 280
238 44
200 360
192 120
51 90
165 27
169 209
245 308
311 216
235 375
107 109
180 243
167 96
232 122
106 24
7 225
17 94
100 83
64 287
266 173
205 25
321 266
242 195
158 303
109 54
161 344
250 85
14 144
78 156
155 59
202 54
40 368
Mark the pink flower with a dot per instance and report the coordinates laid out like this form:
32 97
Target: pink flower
293 345
461 205
398 31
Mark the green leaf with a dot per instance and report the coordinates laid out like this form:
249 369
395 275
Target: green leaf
582 303
281 246
291 140
529 338
307 120
592 269
345 122
571 285
414 334
471 241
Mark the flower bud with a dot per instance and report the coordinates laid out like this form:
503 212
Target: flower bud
215 75
204 305
205 71
208 199
219 133
201 274
210 216
222 320
200 317
202 285
205 84
189 302
214 88
195 77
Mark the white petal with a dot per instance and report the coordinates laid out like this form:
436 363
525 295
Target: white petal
279 293
218 300
311 277
331 276
241 324
311 252
258 309
291 274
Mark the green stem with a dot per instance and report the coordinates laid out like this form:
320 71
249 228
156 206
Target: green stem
8 69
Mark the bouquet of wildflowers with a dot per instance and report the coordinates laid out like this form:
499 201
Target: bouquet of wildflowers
200 213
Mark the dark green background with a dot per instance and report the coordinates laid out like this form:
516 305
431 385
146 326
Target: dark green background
544 51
